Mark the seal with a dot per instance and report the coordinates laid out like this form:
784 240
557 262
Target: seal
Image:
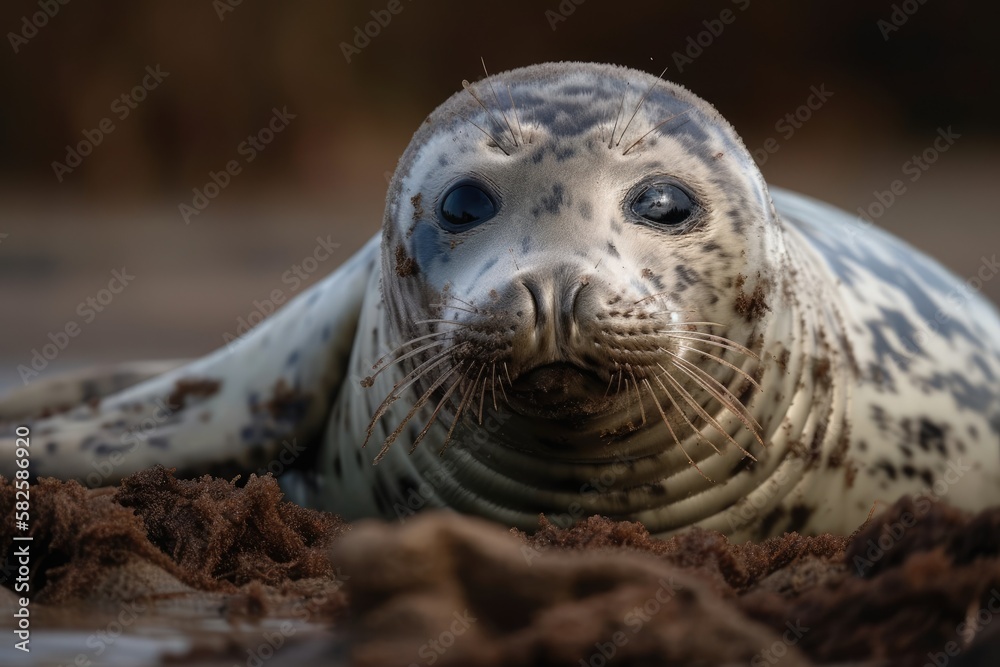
585 300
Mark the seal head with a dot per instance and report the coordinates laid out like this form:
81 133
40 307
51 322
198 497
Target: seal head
591 251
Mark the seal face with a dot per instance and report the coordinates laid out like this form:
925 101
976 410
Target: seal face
585 300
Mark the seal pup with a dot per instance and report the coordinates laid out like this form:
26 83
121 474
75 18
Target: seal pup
586 300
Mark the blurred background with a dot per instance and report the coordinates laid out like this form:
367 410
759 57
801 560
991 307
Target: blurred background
114 113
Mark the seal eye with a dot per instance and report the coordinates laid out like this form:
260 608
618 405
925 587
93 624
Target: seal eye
466 205
664 204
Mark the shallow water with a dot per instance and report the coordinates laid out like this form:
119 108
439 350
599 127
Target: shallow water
88 637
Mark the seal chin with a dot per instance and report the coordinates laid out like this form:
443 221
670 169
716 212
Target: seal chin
560 391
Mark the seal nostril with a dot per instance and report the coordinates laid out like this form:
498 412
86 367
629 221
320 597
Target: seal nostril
575 296
534 290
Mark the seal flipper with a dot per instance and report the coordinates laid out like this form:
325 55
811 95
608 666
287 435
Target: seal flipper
236 408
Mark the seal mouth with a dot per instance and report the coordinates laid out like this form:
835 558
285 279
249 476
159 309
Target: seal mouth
559 390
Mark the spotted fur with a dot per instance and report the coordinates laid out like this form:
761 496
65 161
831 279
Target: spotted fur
839 368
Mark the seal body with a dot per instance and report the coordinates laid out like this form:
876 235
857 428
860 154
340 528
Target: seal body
585 300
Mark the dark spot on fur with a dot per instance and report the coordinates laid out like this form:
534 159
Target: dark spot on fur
418 206
744 464
406 266
783 359
839 453
931 435
751 306
821 371
800 515
287 404
771 519
887 468
685 276
196 388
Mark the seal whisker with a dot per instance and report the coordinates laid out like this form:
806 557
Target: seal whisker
458 413
656 127
497 100
637 106
513 106
437 410
733 406
690 400
618 115
687 420
459 308
493 386
393 395
704 414
511 251
611 378
504 392
404 357
708 382
666 421
638 395
712 339
468 88
461 300
462 325
409 415
482 396
395 350
725 363
476 125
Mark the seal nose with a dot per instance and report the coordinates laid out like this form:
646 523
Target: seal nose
554 302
